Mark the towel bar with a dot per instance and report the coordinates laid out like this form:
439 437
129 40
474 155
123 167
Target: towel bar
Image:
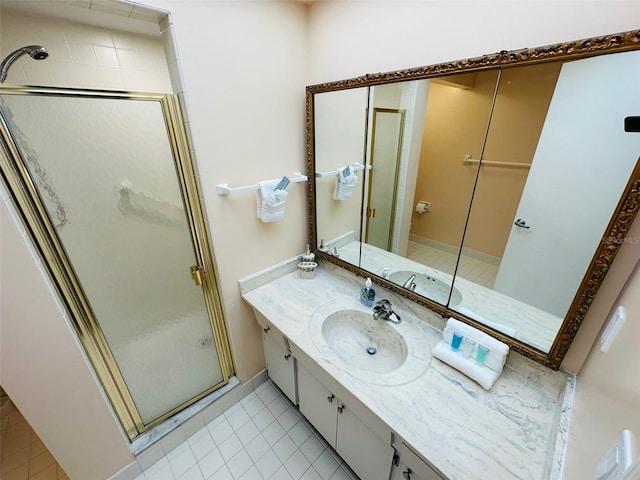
225 189
356 166
468 161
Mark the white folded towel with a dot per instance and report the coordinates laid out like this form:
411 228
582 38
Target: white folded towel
270 202
485 374
497 350
479 318
344 185
485 377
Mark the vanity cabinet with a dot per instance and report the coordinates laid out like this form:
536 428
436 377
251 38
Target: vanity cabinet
412 467
363 450
280 362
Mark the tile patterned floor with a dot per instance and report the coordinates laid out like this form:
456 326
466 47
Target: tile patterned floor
472 269
259 438
23 456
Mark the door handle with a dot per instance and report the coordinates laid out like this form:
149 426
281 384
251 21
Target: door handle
197 274
330 398
521 223
407 474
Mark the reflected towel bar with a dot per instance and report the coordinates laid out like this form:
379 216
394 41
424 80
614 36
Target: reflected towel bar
224 189
356 166
468 161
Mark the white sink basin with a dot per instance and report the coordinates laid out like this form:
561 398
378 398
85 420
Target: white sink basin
367 344
428 286
375 351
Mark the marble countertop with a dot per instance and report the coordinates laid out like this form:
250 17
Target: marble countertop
533 326
517 430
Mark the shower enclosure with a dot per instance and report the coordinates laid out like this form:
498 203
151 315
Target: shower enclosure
106 186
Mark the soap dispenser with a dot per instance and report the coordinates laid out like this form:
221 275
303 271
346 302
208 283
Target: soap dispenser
367 294
308 257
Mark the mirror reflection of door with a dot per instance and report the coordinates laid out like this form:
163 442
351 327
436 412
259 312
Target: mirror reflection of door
383 178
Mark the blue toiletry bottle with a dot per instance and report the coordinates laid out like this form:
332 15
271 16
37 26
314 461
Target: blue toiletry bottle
367 294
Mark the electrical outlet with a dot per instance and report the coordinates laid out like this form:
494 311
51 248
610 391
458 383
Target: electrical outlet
427 206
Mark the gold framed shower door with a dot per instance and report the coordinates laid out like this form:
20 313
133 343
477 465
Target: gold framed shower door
44 236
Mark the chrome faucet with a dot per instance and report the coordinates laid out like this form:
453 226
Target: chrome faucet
410 284
382 309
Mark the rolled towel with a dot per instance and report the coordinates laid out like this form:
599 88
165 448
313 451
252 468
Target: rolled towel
270 202
346 180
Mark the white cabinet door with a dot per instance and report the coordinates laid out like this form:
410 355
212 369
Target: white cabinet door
364 452
413 467
280 365
317 404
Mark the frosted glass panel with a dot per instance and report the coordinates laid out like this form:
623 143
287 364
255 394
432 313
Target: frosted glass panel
105 171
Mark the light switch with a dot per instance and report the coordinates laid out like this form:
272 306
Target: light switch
617 459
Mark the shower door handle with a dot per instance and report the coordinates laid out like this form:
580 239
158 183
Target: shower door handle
197 274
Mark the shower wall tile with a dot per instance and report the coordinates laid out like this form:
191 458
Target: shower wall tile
120 60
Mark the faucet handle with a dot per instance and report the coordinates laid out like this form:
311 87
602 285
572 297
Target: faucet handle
384 303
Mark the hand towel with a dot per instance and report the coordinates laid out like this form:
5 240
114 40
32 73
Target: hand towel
496 326
270 202
485 377
345 185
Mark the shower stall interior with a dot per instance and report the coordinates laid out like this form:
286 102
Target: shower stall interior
106 186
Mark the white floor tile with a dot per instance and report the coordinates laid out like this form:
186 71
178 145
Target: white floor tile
230 447
251 474
203 446
326 465
193 473
340 474
268 394
284 448
160 470
273 433
211 463
238 418
312 448
311 474
278 406
282 474
299 433
181 459
254 405
221 432
257 448
263 419
247 433
239 464
297 464
223 474
268 464
288 419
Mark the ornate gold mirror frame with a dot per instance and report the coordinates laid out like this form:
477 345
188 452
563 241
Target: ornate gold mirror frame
615 232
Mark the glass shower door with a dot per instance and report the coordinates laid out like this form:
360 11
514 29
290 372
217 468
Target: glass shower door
104 170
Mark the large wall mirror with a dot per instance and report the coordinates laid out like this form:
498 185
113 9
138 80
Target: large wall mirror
496 190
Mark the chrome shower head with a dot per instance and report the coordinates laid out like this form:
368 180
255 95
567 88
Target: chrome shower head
36 52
